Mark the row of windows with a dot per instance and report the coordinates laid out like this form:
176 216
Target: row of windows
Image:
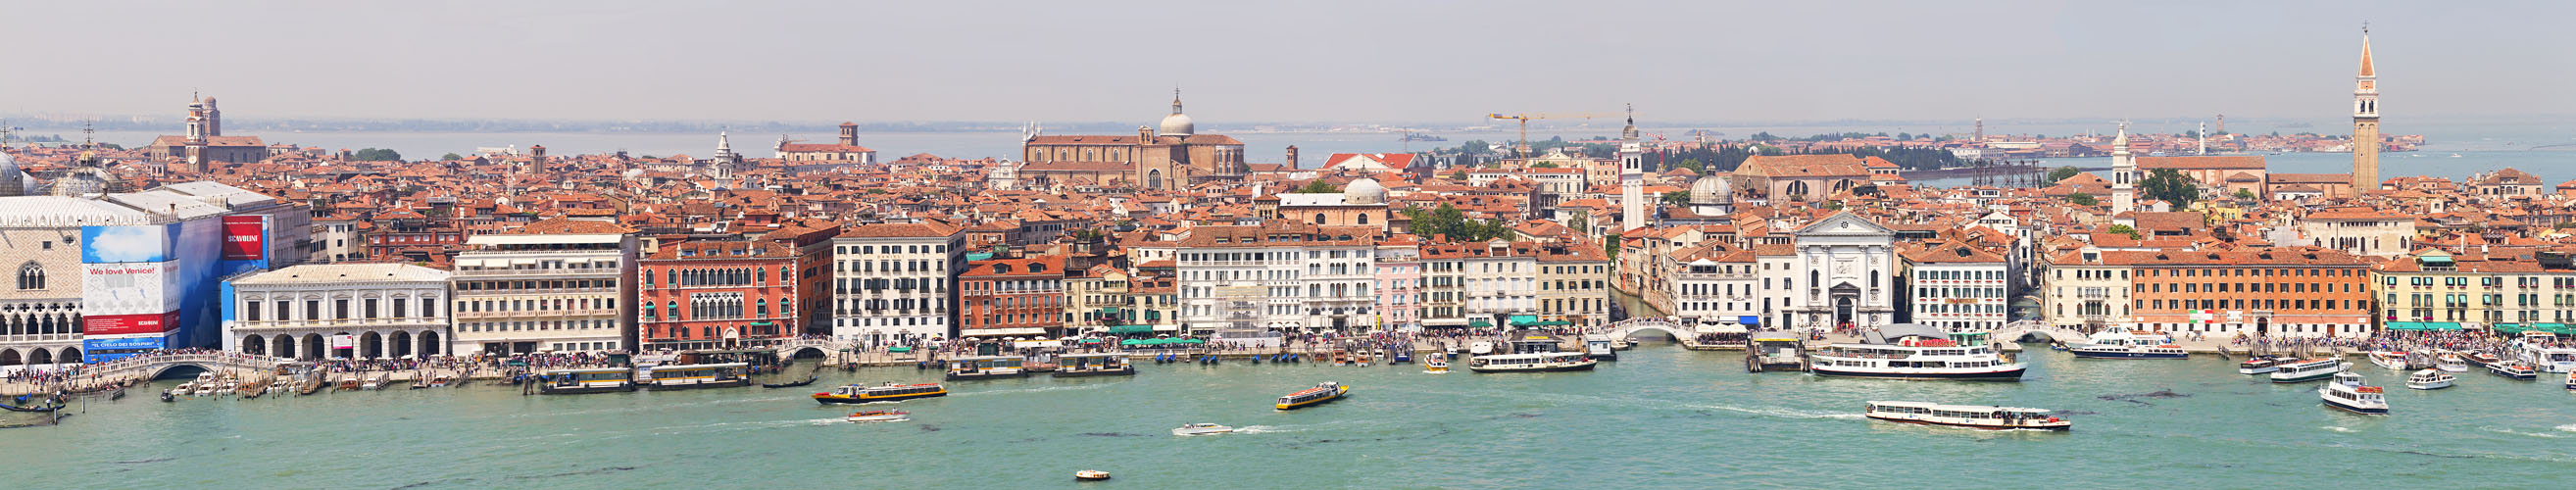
491 327
892 249
2251 304
537 285
368 309
538 304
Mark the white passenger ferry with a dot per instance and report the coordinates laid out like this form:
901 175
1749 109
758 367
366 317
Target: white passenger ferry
1911 351
2305 370
2350 393
2126 344
1973 416
1532 354
2543 352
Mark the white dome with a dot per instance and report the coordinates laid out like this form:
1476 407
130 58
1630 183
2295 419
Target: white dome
1177 124
1364 191
8 164
1714 188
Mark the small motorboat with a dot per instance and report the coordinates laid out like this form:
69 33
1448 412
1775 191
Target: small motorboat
1201 429
207 388
166 397
1090 475
2571 381
2392 359
2430 379
2450 362
1436 366
2260 365
349 382
2515 370
439 381
881 416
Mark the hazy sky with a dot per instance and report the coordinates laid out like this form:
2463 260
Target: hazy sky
1364 61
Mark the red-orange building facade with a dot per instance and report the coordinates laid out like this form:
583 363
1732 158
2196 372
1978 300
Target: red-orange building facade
720 294
1011 297
2283 292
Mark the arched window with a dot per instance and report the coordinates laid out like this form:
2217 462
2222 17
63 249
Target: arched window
31 276
1363 219
1319 218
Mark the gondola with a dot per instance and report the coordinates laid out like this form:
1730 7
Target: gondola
15 408
807 381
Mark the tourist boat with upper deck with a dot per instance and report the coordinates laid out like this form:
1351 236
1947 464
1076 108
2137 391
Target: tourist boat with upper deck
2305 370
590 380
2261 365
1093 364
2349 392
2451 362
1201 430
1971 416
2392 359
2542 351
880 416
986 367
1320 394
2514 370
1532 354
1913 351
2127 344
2430 379
889 392
696 376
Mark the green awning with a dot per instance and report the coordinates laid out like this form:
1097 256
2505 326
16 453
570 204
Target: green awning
1479 323
1519 319
2423 325
1090 341
1535 323
1112 310
2508 328
898 349
2556 328
1132 342
1128 329
760 324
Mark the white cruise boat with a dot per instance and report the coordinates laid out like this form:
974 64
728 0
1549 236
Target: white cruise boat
2305 370
2430 379
2349 392
1201 430
2543 352
1972 416
1912 351
2451 362
1531 363
2392 359
2127 344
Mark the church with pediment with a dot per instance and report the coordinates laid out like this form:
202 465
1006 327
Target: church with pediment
1840 271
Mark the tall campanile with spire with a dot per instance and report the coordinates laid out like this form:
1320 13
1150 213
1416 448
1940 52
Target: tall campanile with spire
2365 124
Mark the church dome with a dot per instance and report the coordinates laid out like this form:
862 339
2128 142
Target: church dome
1711 189
1177 124
1364 191
12 180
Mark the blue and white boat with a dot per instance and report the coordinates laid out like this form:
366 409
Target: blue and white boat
2125 344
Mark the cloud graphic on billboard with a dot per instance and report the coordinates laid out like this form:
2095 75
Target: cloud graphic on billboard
114 244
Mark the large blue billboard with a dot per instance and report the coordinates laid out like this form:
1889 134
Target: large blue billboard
126 244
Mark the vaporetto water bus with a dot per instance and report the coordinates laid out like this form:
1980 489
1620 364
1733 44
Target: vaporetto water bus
1913 351
890 392
593 380
1972 416
2126 344
695 376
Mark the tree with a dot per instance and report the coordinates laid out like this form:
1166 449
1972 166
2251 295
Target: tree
2082 199
2170 186
1317 186
2062 173
2245 194
2132 232
376 155
451 156
1582 223
1448 220
1610 245
1475 147
1682 198
1543 165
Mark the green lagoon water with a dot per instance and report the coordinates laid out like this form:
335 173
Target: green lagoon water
1661 417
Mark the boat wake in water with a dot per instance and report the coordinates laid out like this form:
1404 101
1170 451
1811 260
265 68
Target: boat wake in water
2501 430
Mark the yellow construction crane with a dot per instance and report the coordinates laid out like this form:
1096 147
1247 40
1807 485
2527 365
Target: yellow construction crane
1523 149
